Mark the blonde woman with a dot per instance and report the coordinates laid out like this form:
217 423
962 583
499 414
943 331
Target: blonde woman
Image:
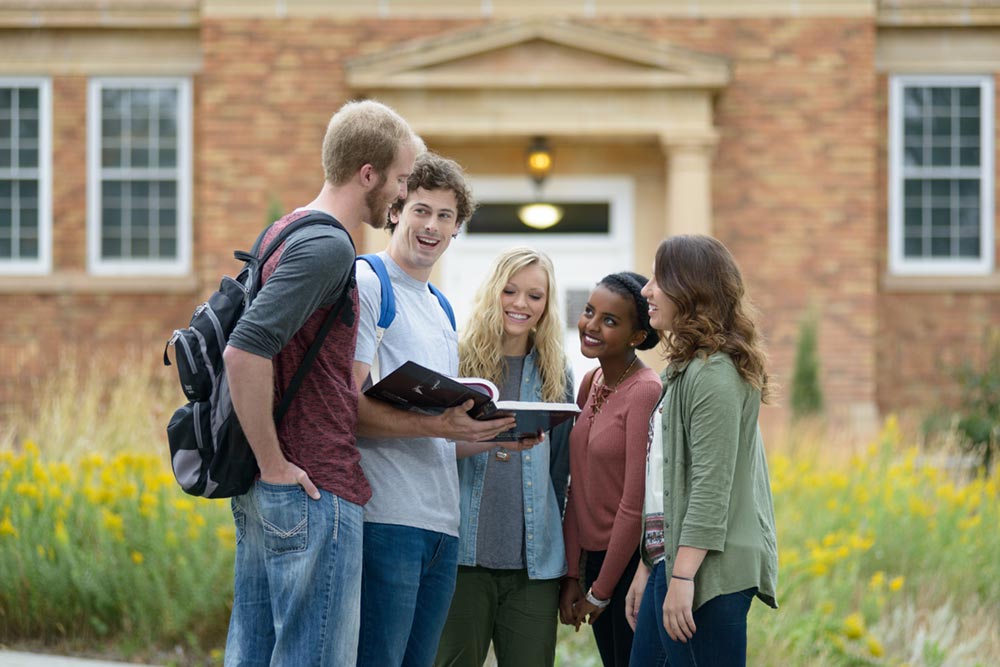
511 554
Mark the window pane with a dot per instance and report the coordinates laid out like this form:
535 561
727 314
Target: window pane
140 248
968 98
941 97
27 99
6 99
111 128
140 157
111 157
940 246
167 157
968 247
968 157
6 248
27 158
28 248
168 247
914 156
941 156
113 102
6 220
111 248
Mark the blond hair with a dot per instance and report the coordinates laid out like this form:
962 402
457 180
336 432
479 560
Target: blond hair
480 348
364 132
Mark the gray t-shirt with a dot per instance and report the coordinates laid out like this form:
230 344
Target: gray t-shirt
315 264
500 536
414 480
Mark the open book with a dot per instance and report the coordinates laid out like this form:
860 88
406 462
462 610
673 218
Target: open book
414 387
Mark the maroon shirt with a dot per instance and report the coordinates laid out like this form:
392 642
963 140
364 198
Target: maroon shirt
318 431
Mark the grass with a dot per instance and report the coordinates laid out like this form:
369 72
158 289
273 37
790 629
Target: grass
887 556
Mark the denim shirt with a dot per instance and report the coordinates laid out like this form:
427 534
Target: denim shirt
545 472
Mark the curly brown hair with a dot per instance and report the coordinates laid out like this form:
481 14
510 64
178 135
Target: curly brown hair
714 314
433 172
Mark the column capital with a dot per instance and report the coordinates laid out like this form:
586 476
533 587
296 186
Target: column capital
699 139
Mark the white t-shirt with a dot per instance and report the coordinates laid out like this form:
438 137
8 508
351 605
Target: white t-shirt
414 480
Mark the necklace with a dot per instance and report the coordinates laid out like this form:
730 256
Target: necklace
601 392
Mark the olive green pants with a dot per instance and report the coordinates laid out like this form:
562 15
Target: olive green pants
517 614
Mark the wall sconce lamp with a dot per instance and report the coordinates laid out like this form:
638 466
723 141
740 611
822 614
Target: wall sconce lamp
539 160
539 215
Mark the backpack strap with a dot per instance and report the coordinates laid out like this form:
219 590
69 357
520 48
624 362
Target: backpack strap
445 305
339 309
387 308
317 343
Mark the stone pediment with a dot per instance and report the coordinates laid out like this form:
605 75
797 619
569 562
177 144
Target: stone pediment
542 54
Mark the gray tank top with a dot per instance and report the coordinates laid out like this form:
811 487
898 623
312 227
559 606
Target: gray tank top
500 538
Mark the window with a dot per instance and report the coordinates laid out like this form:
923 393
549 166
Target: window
139 180
25 176
941 175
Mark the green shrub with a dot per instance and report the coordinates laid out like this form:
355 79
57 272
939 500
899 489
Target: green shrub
807 396
979 414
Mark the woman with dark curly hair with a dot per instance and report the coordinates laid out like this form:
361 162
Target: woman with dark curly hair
708 545
608 463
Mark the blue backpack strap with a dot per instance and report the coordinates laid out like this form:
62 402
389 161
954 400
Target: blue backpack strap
387 312
445 305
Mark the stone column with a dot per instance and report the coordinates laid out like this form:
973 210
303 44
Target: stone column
689 183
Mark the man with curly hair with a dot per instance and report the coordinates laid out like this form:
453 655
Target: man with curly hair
411 523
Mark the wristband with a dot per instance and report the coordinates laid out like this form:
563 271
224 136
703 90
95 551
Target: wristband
674 576
600 604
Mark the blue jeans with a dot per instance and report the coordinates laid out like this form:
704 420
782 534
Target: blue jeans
719 641
406 588
298 579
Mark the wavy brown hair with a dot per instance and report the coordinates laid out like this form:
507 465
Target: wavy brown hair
714 314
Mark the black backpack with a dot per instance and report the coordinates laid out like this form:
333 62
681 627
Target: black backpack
209 453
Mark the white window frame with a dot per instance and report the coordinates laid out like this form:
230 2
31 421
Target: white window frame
181 264
43 263
899 264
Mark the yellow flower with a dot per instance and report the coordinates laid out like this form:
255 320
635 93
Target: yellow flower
30 448
826 607
970 522
877 580
854 626
136 557
897 583
7 528
60 533
875 647
27 489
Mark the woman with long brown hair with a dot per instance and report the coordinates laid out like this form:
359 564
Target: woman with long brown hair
708 546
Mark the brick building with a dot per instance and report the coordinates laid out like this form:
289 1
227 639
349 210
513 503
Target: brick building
844 150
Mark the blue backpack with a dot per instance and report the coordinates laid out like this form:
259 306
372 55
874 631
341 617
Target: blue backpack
387 313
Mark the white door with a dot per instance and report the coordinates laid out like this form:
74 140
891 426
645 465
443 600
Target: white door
580 260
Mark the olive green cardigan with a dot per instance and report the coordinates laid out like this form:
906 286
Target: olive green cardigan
717 494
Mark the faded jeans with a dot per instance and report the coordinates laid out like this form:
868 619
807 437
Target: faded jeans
298 579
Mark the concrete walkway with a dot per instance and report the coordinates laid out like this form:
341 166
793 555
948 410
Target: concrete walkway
15 659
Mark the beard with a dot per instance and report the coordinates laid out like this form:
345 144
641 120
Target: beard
378 205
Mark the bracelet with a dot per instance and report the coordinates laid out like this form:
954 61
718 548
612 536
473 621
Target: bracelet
600 604
674 576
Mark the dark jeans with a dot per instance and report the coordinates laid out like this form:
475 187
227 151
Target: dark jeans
611 630
406 586
719 641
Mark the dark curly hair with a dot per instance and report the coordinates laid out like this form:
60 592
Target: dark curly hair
714 314
629 285
433 172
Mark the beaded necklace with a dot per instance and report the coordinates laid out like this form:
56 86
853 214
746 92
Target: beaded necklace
601 392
